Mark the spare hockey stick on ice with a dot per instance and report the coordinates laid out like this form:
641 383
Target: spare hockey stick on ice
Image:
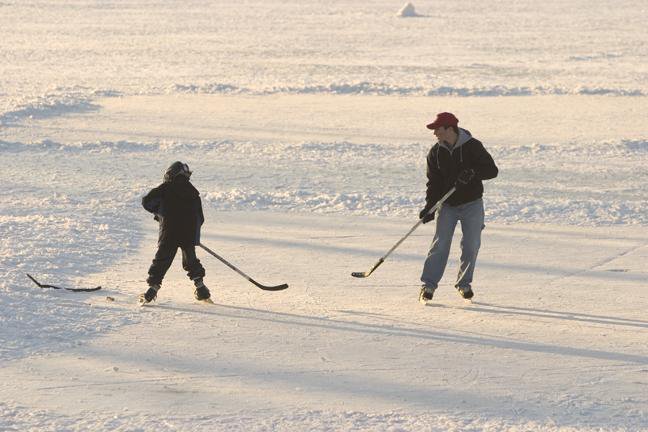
67 289
257 284
381 260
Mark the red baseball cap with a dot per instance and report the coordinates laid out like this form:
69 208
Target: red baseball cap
443 119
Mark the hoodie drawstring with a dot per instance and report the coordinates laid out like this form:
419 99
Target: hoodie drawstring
460 156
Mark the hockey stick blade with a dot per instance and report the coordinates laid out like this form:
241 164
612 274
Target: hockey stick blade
233 267
271 288
366 274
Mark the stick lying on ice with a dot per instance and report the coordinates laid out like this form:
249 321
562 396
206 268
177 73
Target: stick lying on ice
68 289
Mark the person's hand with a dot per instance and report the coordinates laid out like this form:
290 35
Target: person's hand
465 177
425 216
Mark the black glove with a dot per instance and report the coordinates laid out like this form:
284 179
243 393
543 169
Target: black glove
465 177
425 216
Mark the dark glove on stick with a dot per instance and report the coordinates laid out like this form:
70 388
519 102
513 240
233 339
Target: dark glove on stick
425 216
465 177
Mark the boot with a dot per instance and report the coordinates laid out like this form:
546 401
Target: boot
150 294
426 294
465 292
201 292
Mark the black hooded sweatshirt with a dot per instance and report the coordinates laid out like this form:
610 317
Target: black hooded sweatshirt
177 206
444 164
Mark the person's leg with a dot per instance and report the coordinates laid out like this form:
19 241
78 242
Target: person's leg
435 263
161 263
191 263
471 216
195 271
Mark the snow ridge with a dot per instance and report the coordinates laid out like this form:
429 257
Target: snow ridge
379 88
59 102
310 150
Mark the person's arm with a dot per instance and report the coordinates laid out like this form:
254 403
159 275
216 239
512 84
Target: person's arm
201 216
153 200
200 219
434 181
484 165
434 185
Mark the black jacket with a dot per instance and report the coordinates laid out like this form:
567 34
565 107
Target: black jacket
445 164
177 206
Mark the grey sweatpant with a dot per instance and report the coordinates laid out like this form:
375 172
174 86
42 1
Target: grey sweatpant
471 216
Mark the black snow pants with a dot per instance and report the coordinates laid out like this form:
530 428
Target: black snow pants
164 257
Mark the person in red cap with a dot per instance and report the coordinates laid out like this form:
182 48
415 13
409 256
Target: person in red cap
459 160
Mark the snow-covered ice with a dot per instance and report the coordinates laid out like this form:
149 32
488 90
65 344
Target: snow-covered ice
304 126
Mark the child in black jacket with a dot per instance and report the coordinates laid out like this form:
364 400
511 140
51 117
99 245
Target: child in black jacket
177 207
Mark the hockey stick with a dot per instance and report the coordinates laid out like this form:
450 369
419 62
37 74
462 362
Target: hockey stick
381 260
257 284
68 289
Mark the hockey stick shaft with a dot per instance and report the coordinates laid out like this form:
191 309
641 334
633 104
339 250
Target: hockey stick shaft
398 243
257 284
